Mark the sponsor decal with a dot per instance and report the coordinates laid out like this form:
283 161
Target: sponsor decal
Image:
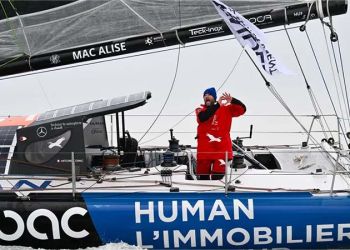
110 49
23 138
261 19
27 224
56 143
96 123
41 132
70 160
206 31
31 185
151 40
55 59
62 125
28 184
213 138
96 131
238 235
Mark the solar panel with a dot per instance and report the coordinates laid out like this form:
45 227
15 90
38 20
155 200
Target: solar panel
95 107
82 108
47 115
4 152
64 111
101 104
135 97
7 134
118 100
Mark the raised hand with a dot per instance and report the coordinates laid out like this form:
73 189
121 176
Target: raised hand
221 100
225 97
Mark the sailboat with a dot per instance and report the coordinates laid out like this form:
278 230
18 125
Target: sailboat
73 178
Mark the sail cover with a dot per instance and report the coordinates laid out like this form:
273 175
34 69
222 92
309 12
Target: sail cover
28 33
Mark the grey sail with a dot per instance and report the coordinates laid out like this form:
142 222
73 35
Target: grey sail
84 30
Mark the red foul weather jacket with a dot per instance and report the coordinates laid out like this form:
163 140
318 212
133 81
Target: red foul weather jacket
213 131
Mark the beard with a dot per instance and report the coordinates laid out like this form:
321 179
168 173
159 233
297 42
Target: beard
208 102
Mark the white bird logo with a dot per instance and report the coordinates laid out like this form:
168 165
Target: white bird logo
213 138
222 162
57 143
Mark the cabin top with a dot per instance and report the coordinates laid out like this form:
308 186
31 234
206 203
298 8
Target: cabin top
95 108
42 144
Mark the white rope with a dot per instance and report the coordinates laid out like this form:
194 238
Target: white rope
333 72
319 9
142 18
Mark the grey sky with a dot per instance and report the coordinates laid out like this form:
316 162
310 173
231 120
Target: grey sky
199 67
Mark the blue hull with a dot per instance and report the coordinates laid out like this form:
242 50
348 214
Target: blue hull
214 220
177 220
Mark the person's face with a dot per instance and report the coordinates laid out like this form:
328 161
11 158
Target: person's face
208 100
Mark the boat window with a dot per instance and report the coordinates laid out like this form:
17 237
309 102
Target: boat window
42 151
268 160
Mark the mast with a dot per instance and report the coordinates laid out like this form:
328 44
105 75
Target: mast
263 19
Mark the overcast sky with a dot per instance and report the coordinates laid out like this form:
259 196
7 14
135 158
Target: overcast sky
200 67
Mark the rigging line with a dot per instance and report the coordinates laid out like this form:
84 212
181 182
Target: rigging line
11 28
342 126
247 115
324 117
173 83
24 33
190 113
308 87
330 17
343 72
142 18
322 75
9 61
332 68
346 102
284 104
167 99
308 14
234 67
328 155
44 92
316 106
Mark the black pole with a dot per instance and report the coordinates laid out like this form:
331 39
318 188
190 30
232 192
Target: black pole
263 19
118 137
123 130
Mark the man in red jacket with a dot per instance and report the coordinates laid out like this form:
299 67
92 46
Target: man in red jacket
213 133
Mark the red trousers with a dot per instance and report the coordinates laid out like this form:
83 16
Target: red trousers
206 169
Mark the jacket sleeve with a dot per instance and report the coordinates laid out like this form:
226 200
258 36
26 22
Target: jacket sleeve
237 108
204 115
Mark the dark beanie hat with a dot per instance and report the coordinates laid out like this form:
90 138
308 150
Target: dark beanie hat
210 91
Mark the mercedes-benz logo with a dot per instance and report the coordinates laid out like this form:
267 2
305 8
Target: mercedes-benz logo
41 132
